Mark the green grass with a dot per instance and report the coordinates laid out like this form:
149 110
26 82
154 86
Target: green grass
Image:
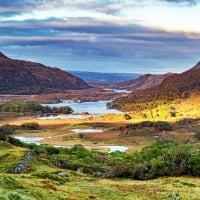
10 156
84 187
41 181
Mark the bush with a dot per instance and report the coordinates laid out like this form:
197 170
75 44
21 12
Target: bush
193 163
51 150
197 135
15 142
63 110
7 129
37 149
160 125
30 107
127 117
20 107
163 126
11 140
31 126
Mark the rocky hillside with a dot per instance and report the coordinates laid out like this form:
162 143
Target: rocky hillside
173 87
23 77
143 82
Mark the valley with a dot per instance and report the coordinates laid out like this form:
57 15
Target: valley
99 100
133 140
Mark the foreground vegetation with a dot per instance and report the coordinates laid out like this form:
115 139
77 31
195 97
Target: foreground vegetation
166 169
165 158
53 173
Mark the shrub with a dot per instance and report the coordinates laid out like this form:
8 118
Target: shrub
7 129
31 126
37 149
197 135
127 117
51 150
160 125
163 126
193 163
20 107
63 110
15 142
146 124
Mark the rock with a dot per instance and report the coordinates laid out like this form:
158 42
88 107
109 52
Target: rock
22 166
99 174
63 174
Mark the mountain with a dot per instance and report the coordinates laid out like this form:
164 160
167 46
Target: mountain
24 77
173 87
98 77
142 82
197 66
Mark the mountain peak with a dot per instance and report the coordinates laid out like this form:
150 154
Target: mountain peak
197 66
3 56
24 77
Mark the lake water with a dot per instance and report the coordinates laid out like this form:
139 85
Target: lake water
36 140
118 90
94 108
89 130
121 91
69 116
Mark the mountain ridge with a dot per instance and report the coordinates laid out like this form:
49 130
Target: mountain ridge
25 77
172 87
143 82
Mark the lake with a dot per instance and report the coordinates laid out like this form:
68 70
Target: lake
37 140
94 108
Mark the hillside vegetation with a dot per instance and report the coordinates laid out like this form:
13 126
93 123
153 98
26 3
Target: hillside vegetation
175 87
45 172
23 77
16 109
142 82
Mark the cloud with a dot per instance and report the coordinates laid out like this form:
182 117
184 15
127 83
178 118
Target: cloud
184 2
99 39
119 32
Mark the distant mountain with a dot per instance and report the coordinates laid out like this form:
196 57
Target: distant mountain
23 77
98 77
142 82
173 87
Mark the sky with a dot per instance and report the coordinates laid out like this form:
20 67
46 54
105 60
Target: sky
139 36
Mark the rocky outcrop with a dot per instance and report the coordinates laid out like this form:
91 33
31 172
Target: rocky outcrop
22 166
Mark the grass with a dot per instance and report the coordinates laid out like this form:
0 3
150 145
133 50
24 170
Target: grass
85 187
41 181
10 156
62 134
